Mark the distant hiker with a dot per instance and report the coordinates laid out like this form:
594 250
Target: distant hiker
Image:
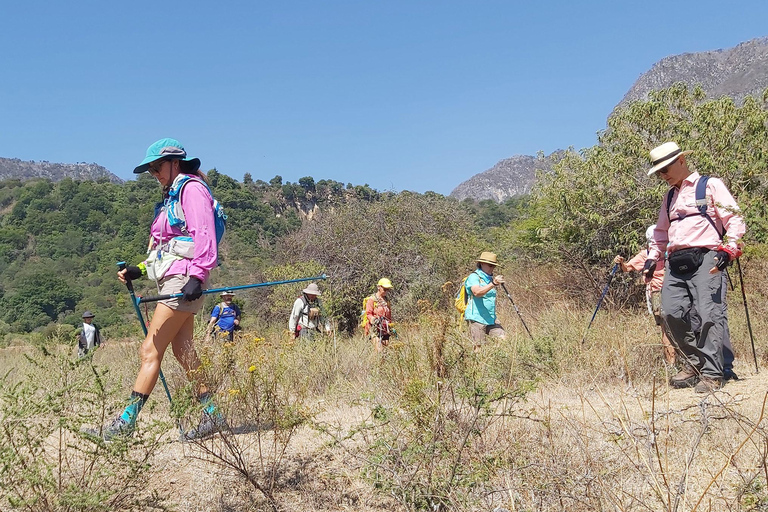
652 290
89 337
700 228
307 317
180 257
225 317
378 315
481 306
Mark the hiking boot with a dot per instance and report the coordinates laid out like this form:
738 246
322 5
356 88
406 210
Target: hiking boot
208 426
118 428
729 374
687 378
708 385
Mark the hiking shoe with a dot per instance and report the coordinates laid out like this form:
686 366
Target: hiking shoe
729 375
687 378
708 385
208 426
118 428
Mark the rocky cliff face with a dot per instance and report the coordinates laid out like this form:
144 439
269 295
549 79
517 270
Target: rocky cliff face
510 177
736 72
13 168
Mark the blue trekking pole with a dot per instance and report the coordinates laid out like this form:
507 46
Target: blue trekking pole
605 290
142 300
135 301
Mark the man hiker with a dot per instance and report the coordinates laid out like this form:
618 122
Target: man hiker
307 315
699 243
652 290
89 337
225 317
481 306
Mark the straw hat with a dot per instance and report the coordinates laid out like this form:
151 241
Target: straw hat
488 257
312 289
664 155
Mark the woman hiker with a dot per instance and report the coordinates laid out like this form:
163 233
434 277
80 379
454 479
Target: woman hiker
182 252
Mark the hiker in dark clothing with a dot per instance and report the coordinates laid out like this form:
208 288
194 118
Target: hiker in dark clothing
90 337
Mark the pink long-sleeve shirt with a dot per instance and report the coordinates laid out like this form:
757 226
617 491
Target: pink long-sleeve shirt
694 230
197 204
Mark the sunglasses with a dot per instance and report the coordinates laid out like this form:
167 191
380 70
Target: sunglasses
156 170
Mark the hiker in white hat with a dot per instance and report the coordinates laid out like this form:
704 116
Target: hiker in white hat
225 318
307 318
700 229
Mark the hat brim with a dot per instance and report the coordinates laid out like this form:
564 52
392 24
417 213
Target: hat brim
495 264
191 164
656 168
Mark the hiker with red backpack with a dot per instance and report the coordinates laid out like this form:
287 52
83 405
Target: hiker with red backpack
307 317
700 229
480 288
183 249
225 318
378 315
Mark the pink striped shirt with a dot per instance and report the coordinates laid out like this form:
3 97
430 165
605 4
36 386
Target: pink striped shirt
693 229
197 204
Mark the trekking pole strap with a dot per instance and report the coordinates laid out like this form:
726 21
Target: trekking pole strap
231 288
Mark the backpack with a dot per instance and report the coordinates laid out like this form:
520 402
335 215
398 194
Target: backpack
176 213
363 316
461 299
701 203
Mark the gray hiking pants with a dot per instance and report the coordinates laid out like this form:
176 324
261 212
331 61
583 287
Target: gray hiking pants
702 291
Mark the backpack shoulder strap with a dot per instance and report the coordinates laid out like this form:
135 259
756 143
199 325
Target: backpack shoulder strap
701 203
669 203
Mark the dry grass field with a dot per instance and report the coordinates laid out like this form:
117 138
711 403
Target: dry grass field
538 424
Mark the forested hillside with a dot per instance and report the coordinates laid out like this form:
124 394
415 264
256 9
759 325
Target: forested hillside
60 242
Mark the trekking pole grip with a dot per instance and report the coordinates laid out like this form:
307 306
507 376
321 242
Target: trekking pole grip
121 265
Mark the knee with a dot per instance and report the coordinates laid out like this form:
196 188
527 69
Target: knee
148 354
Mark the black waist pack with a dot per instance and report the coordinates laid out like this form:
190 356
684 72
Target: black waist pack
686 261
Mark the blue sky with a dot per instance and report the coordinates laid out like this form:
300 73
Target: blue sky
402 95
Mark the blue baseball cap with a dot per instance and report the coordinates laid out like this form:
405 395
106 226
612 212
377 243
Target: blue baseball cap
170 149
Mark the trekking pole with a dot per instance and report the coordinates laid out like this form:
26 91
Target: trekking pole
746 311
141 300
504 287
605 290
136 301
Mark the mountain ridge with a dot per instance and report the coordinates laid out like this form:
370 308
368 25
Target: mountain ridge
14 168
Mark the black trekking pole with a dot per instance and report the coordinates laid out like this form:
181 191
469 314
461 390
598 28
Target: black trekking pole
135 302
605 290
142 300
746 311
516 310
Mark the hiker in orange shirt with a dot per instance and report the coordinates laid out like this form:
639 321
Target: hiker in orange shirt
379 315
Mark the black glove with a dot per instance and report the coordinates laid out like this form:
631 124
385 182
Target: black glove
133 273
193 289
721 260
649 268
